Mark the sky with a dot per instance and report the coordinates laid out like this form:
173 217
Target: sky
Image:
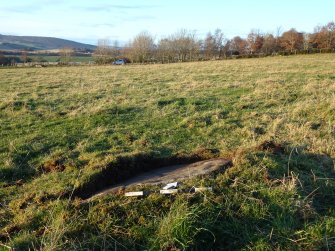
89 20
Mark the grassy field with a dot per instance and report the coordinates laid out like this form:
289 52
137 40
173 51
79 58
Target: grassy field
82 59
62 128
52 59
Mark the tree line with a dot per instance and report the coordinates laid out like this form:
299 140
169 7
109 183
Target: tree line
185 45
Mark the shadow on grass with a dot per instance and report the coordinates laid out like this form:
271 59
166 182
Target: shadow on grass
293 198
22 168
314 174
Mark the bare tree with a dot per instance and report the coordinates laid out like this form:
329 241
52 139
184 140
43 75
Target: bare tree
142 48
329 35
186 45
65 55
307 41
254 42
292 40
226 48
103 52
324 36
209 46
269 44
220 41
165 50
213 45
279 32
127 51
24 56
115 50
3 59
238 45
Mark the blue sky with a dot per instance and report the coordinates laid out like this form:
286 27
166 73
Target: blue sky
89 20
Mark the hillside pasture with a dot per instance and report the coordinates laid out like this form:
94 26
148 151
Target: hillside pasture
61 128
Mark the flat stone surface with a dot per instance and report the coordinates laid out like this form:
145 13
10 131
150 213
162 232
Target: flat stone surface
169 174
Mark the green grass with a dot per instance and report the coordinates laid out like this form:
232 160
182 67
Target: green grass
85 59
60 128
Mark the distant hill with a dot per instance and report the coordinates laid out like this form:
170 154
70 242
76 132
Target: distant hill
39 43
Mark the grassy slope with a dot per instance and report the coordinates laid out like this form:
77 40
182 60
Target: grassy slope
81 119
57 58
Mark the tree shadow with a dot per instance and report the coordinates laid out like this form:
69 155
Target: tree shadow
296 190
314 175
22 167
